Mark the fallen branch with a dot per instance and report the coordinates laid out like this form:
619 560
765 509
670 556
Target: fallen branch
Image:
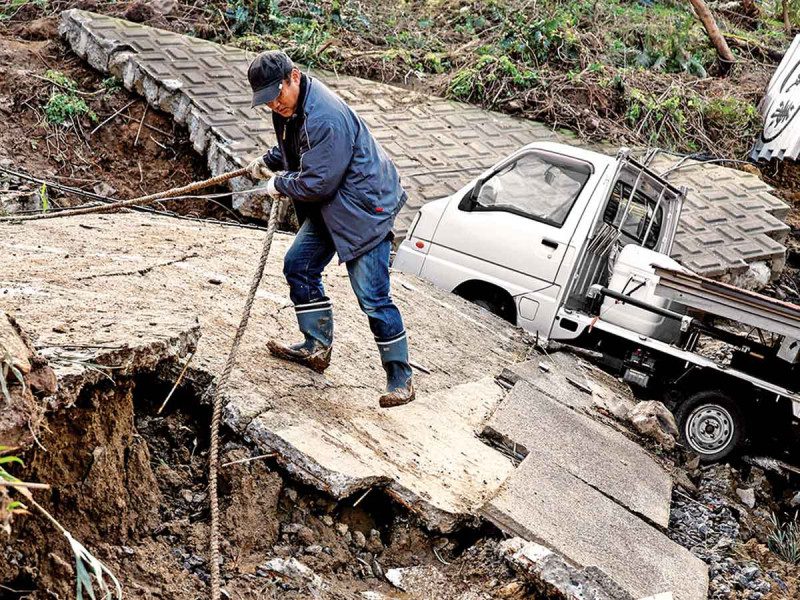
707 19
762 52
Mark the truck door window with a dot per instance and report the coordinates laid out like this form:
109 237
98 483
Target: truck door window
537 186
640 214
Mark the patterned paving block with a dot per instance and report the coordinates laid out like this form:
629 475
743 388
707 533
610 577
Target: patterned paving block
730 218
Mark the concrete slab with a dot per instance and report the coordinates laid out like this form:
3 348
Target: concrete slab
593 530
730 220
115 280
119 280
595 454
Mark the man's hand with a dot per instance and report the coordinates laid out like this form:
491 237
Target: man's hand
258 169
271 188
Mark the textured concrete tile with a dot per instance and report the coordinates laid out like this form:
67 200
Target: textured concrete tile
437 144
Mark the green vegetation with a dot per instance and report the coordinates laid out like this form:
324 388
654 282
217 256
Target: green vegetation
64 103
644 73
11 7
784 539
111 85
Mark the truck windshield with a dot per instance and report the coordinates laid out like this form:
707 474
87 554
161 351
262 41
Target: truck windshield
537 185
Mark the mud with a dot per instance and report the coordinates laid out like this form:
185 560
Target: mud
131 486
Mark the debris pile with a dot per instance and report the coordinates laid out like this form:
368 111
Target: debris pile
722 528
16 195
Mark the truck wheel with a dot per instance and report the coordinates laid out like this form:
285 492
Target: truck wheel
711 424
497 306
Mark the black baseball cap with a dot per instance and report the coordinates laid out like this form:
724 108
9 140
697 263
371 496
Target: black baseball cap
266 73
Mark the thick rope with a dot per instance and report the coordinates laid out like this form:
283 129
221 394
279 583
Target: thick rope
180 191
219 394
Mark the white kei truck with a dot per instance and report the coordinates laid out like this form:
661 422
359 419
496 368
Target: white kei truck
573 246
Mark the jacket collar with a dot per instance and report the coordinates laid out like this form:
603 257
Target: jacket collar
305 83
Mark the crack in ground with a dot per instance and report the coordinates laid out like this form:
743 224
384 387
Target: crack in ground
143 271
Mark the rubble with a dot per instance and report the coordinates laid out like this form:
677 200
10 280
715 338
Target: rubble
654 420
553 577
715 527
747 496
16 195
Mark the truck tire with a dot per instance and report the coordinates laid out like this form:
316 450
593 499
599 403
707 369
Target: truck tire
711 424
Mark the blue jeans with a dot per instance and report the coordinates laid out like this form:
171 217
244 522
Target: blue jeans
311 252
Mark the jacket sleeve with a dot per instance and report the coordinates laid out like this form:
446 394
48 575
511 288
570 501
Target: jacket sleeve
274 159
322 166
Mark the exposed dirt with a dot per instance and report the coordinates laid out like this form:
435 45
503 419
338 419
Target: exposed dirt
137 152
131 486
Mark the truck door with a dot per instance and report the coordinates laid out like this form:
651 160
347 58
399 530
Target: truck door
513 229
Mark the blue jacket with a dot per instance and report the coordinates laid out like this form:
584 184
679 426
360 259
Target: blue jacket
341 167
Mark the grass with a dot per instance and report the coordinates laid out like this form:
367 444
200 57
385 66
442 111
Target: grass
784 539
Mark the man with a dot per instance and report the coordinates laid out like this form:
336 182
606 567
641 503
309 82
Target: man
346 193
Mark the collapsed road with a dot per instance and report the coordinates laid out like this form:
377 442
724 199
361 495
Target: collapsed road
132 294
131 281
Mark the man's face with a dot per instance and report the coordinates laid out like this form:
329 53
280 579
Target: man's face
286 102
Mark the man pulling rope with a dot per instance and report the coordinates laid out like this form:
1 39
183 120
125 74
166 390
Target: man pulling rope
346 193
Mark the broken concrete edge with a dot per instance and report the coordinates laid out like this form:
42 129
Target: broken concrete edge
340 486
125 362
552 576
118 59
506 445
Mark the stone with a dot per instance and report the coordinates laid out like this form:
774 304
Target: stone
164 7
548 572
342 528
359 539
305 535
795 500
374 543
747 496
292 569
104 189
654 420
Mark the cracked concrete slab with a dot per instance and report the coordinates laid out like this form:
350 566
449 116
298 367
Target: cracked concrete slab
595 454
132 280
593 530
132 277
730 219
